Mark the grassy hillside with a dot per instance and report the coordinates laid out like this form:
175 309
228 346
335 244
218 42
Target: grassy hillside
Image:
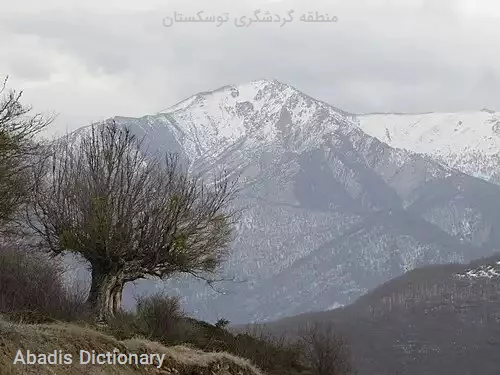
71 338
39 314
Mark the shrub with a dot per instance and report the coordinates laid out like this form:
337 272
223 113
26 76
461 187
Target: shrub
124 325
222 323
325 351
273 353
160 317
32 289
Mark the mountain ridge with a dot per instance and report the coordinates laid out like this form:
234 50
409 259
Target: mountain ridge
468 141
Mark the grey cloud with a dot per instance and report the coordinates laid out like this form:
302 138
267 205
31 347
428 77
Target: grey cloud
381 56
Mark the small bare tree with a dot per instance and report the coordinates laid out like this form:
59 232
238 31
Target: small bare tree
325 351
17 146
131 216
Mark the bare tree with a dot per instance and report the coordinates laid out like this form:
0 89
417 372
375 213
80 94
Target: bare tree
325 351
131 216
17 146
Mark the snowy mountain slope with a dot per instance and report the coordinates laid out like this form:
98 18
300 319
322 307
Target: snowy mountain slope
379 247
463 207
309 176
468 141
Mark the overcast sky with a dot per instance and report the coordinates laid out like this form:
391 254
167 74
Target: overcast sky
89 60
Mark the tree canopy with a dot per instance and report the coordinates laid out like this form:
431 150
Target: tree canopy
129 214
17 149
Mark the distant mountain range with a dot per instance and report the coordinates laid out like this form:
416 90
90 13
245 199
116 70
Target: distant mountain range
333 208
441 319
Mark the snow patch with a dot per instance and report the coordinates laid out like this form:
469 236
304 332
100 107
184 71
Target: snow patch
489 271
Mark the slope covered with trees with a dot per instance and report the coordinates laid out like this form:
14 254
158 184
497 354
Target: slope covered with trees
433 320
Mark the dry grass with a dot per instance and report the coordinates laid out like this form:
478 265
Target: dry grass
45 338
189 359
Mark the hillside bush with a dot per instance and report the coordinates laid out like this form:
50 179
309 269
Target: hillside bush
32 287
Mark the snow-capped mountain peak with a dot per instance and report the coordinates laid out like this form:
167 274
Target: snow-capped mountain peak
250 115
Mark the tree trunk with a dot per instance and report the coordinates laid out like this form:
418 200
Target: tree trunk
105 287
116 300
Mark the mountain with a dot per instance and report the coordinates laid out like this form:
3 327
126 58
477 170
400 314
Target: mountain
467 141
330 211
441 319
